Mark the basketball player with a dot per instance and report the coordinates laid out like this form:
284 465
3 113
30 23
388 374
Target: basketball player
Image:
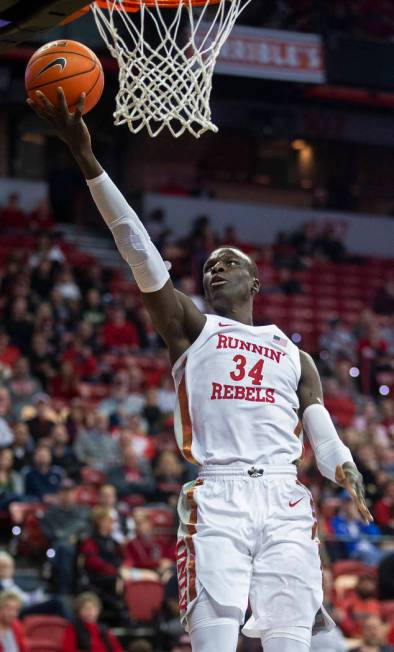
244 394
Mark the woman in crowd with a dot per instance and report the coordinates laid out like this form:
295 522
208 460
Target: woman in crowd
12 638
86 634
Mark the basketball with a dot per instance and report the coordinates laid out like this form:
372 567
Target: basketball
68 64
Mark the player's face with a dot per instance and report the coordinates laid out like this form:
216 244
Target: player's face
228 277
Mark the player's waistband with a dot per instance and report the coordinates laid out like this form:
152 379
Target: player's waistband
236 471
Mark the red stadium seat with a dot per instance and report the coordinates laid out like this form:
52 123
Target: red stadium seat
144 600
387 611
45 628
349 567
43 646
162 517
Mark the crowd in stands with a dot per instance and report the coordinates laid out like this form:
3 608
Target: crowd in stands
371 19
89 470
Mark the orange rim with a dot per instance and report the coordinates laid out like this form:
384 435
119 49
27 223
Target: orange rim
135 5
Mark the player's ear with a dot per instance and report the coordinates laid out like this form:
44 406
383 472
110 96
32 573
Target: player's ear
255 287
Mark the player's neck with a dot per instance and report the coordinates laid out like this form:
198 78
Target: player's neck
243 313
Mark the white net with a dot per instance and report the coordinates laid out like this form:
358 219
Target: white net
166 61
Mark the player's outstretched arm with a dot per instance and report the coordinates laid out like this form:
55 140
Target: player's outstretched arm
174 315
333 458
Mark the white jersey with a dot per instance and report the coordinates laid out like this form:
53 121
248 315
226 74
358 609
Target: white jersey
237 396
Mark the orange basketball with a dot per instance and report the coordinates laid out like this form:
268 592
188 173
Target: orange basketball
68 64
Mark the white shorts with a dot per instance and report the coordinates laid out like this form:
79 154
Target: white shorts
244 538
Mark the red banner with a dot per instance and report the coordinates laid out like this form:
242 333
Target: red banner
272 54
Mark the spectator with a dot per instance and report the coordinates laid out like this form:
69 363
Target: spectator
86 634
367 463
33 602
104 560
384 509
41 358
75 421
64 385
62 454
12 638
64 524
143 445
80 356
288 284
360 537
22 446
166 395
133 476
66 286
11 484
122 401
151 412
9 353
95 446
44 321
41 424
373 639
22 387
122 527
119 334
45 249
42 279
147 551
93 312
338 341
386 578
6 434
383 303
41 217
330 246
168 473
19 325
357 607
42 480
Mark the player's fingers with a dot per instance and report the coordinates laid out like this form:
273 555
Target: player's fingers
62 101
364 511
47 104
35 108
80 106
340 476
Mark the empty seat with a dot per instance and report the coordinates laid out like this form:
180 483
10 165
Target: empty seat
45 628
144 600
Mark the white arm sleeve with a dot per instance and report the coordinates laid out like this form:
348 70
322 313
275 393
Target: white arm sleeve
130 235
329 450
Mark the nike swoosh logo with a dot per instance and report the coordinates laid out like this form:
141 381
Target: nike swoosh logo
296 502
60 61
223 325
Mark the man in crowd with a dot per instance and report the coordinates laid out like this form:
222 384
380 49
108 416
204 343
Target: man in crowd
96 447
42 480
63 525
373 639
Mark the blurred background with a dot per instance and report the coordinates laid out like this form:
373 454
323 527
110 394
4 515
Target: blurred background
300 176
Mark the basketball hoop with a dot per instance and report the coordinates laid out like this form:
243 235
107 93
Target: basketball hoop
165 80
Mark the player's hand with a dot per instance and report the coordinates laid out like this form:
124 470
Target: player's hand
70 127
348 477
